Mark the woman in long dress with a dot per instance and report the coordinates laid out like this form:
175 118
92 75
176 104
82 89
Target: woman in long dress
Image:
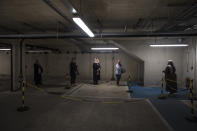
170 77
96 71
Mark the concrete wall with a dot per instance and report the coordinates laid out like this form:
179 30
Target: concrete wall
155 60
4 71
57 65
189 62
4 63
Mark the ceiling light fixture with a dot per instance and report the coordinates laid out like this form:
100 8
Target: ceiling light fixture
105 48
83 26
170 45
74 11
5 49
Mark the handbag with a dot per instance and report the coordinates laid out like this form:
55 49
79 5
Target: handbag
123 70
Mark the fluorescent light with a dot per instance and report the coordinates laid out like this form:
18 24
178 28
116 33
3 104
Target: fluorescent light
74 11
104 48
5 49
83 26
170 45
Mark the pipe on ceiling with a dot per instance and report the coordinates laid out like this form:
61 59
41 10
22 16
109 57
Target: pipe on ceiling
104 35
5 44
50 4
184 15
42 48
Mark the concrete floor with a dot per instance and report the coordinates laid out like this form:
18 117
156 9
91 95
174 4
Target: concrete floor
52 112
5 83
103 90
188 103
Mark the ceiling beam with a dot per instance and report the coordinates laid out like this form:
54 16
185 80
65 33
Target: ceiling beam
42 48
184 4
104 35
5 44
183 16
57 10
9 29
33 27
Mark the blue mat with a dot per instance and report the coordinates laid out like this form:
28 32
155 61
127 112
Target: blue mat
172 109
149 92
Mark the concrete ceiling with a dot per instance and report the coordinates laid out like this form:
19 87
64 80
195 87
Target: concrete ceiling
119 13
36 16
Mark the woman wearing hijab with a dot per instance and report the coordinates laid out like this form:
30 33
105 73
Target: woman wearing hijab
96 71
170 77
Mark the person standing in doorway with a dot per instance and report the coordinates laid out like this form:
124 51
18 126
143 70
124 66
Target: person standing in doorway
73 71
96 71
38 70
118 72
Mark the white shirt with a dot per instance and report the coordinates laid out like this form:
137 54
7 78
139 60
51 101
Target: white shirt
118 69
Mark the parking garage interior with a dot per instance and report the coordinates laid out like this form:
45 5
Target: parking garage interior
143 34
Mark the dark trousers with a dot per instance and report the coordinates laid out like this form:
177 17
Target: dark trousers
38 79
73 79
95 81
95 78
118 79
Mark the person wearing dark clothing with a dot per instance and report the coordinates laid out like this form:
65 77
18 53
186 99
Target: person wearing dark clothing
73 71
38 70
95 79
170 77
96 71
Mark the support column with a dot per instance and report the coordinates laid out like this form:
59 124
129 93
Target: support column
195 67
112 78
18 63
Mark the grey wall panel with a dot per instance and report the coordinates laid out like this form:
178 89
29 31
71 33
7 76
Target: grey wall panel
57 65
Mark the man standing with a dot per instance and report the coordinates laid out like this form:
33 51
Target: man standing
73 71
38 70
